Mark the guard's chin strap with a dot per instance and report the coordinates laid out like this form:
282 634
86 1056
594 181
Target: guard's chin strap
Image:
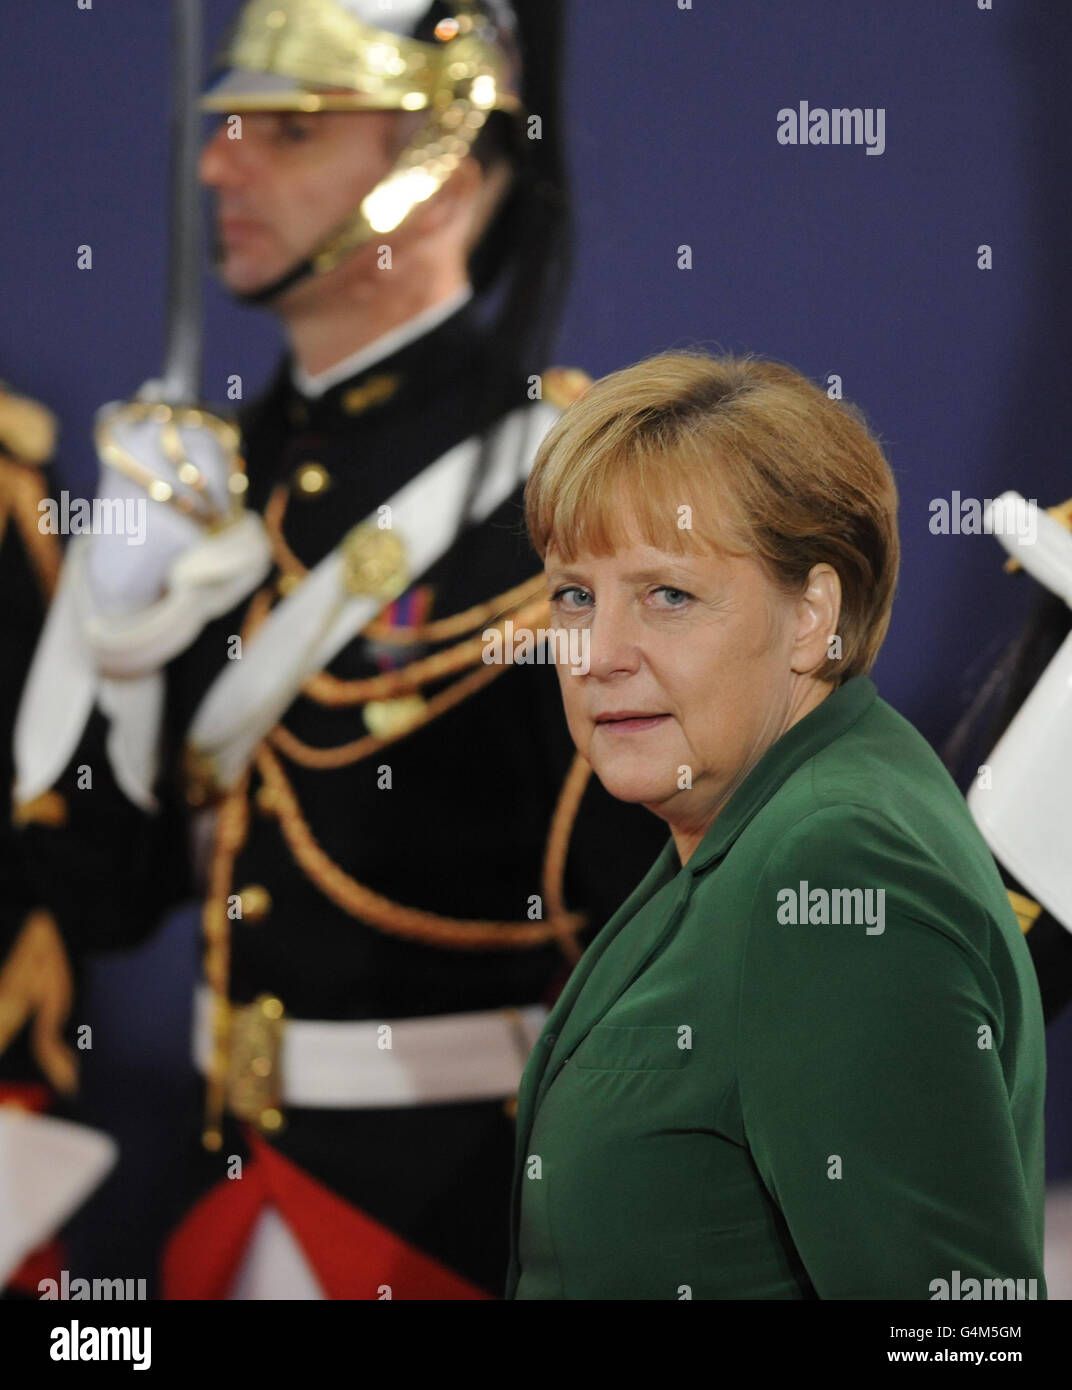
421 170
335 246
277 287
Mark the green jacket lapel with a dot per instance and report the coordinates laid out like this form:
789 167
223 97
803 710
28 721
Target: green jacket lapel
547 1051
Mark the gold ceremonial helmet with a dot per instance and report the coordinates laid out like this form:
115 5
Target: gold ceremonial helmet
456 61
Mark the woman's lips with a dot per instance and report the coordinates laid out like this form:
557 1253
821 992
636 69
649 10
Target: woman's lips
630 723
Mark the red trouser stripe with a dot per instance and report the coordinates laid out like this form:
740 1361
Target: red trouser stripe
353 1256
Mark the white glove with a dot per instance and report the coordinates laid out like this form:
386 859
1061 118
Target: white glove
172 548
169 479
1022 808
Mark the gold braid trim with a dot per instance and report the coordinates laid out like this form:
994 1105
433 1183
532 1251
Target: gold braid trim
232 826
326 689
438 630
412 923
274 512
327 759
280 800
22 488
442 629
557 851
259 608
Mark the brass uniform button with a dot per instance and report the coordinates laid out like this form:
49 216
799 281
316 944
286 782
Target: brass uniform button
311 479
256 903
270 1120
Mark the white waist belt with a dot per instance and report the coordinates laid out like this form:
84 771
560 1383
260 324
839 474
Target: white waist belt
395 1062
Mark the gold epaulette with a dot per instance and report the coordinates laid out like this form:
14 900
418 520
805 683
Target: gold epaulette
22 490
1062 513
564 385
1027 910
50 808
27 430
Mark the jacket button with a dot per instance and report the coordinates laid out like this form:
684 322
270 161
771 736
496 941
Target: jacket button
311 479
256 903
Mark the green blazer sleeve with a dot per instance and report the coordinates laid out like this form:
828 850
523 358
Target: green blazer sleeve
894 1110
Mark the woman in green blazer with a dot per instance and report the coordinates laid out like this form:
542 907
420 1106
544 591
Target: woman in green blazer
805 1059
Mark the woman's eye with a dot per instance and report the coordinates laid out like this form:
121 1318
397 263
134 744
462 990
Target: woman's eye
571 597
675 598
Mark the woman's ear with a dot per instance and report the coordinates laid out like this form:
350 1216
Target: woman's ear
818 609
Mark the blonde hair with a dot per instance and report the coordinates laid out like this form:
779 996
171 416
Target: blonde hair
688 452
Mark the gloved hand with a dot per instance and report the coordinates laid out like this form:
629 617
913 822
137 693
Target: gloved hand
167 475
174 478
172 548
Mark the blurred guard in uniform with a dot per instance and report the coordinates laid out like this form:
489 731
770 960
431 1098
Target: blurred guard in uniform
46 1166
403 859
1015 743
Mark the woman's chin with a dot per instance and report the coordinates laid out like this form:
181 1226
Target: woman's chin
635 784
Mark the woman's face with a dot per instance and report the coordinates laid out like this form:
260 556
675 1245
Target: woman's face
691 673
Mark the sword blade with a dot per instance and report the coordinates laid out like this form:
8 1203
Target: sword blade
181 384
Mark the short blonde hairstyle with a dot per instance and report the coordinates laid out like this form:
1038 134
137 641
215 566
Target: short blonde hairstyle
691 452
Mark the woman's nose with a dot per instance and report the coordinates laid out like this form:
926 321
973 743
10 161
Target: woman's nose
613 643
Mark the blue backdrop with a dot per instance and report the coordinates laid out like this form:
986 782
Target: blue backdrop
826 257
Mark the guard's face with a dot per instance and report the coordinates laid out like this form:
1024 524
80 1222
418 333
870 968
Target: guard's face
287 182
690 678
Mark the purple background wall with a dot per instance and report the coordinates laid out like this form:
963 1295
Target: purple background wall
827 258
